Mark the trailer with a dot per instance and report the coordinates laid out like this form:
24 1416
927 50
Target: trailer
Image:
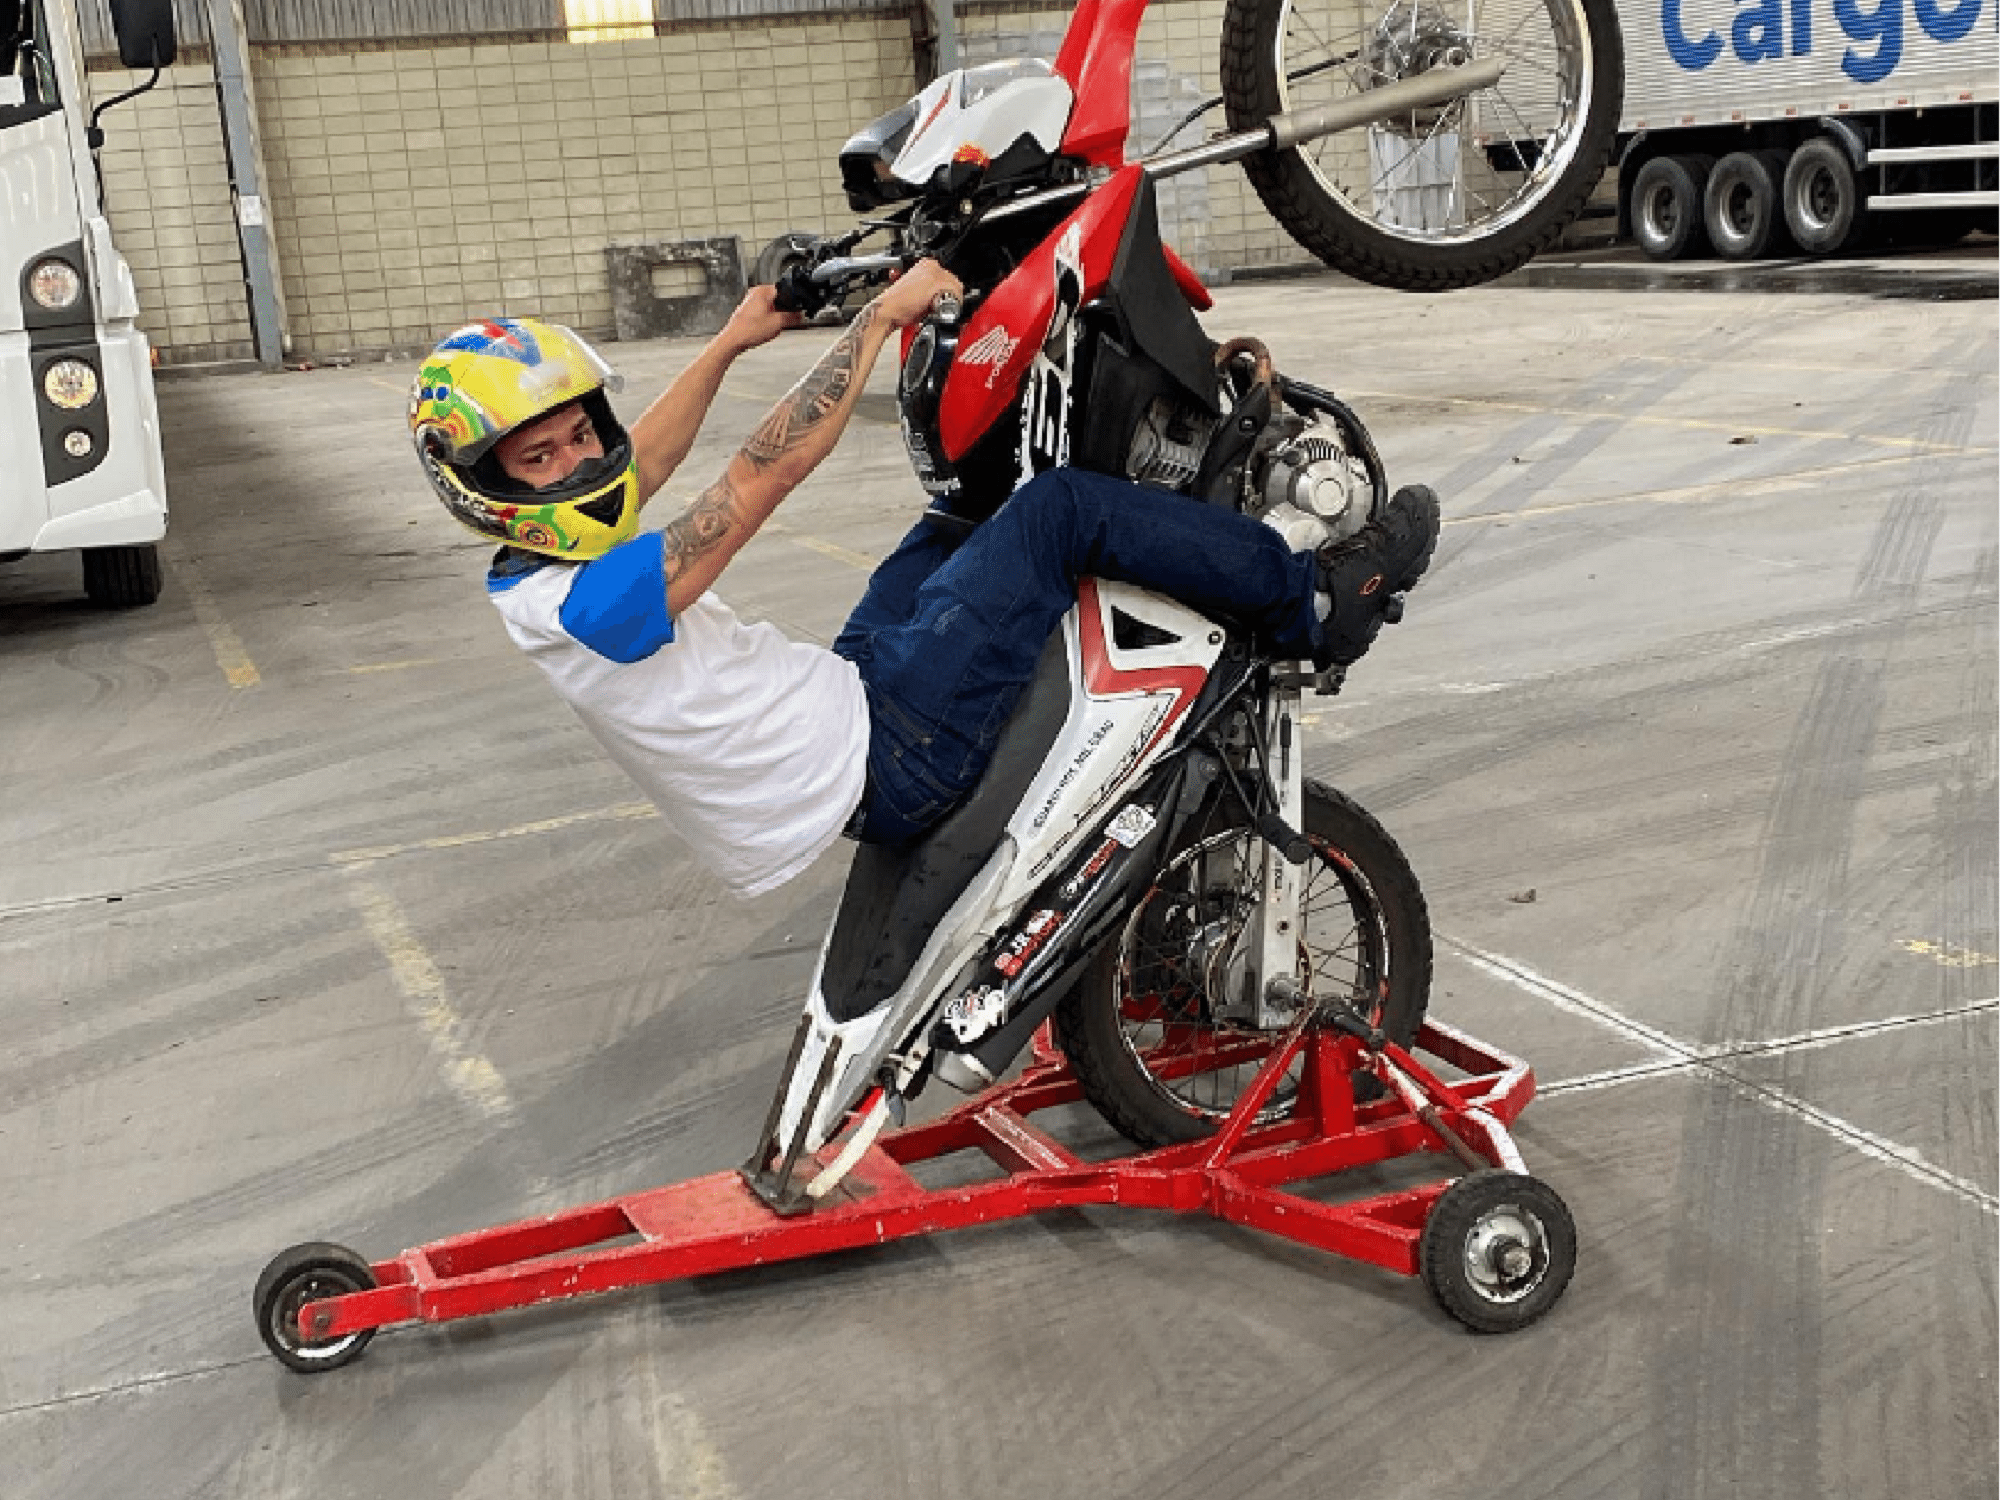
1765 127
84 470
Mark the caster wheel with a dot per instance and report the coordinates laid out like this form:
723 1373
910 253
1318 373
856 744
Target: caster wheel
1497 1250
295 1277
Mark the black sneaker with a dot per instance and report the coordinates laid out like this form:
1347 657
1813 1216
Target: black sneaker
1365 577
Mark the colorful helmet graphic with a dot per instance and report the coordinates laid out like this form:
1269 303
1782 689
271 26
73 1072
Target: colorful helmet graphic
488 379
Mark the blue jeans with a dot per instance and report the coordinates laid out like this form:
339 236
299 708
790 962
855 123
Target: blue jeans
950 630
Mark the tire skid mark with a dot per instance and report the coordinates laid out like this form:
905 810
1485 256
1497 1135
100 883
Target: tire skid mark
1753 1258
377 1416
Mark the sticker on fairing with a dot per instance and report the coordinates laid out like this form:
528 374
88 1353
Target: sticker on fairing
969 1017
1131 825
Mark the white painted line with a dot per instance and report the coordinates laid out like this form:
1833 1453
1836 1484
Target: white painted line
621 812
1562 997
1673 1056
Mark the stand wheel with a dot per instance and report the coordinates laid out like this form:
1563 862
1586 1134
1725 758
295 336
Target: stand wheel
1497 1250
309 1273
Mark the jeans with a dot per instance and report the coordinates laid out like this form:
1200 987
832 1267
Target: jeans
950 629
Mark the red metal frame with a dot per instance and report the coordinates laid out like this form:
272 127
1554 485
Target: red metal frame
716 1223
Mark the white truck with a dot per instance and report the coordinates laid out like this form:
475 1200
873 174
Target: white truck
1755 127
79 432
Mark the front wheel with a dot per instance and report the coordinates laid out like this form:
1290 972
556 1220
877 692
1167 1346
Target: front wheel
1443 197
1146 1027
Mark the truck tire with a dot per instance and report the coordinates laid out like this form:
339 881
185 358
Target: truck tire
1667 206
1281 55
1825 204
1741 207
121 577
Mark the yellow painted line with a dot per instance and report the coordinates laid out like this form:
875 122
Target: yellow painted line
467 1074
623 811
1697 424
1724 489
1871 369
222 637
823 547
387 385
1951 957
395 666
686 1459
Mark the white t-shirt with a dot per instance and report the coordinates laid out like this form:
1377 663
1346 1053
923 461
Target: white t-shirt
754 747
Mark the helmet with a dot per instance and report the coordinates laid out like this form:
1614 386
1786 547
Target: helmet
488 379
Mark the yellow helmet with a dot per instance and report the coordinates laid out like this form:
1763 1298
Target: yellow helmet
488 379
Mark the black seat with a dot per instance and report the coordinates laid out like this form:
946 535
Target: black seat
896 896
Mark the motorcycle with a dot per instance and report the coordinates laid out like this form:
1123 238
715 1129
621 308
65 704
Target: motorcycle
1145 862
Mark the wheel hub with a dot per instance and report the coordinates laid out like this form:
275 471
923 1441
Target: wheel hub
1506 1254
1413 37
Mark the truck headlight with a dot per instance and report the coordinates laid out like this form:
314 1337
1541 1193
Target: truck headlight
70 384
54 284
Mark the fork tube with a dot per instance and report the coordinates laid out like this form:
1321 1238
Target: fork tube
1278 981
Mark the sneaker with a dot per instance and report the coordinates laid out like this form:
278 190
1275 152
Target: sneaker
1363 579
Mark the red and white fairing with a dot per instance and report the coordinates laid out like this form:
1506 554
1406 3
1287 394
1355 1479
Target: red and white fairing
984 110
1126 702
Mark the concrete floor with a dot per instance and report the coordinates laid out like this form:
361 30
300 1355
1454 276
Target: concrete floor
322 919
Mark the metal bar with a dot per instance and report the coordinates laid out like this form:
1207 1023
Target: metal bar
260 259
1882 204
947 35
1977 151
1424 91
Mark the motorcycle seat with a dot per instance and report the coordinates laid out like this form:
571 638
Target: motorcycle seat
897 894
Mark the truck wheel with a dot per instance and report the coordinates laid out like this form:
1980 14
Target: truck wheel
1741 206
1667 206
1824 201
122 577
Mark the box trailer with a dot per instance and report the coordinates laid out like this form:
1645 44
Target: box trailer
1756 127
78 426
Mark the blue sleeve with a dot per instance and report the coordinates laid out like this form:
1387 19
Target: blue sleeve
617 605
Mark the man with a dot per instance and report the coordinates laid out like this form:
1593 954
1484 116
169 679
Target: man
758 750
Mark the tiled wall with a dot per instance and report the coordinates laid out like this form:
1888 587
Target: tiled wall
166 190
412 188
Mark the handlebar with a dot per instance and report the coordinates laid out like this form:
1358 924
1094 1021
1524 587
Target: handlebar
806 287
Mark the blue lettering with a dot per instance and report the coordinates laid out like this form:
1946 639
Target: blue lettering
1759 31
1694 56
1883 26
1947 25
1802 27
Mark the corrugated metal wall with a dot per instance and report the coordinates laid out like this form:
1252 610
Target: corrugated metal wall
298 21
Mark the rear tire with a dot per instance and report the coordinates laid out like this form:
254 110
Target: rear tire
122 577
1532 147
1742 207
1372 905
1825 204
1667 206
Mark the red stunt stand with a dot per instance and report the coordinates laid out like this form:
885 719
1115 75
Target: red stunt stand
1496 1246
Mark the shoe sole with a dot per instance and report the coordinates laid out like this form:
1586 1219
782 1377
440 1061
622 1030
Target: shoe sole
1415 572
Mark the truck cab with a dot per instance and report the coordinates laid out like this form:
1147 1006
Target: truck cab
78 424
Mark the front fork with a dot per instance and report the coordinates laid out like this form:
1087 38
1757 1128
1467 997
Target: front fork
1274 939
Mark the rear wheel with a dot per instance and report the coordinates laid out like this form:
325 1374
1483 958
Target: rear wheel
1143 1027
1443 197
1742 208
1823 198
1666 206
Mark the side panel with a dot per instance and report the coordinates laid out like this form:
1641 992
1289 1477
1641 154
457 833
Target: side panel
1706 62
124 499
1128 702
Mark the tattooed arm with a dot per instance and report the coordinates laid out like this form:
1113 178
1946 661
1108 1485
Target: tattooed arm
666 430
790 443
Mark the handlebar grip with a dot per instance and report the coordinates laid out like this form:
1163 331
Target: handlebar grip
796 292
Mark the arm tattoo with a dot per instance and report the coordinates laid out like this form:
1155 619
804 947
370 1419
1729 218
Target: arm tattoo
700 528
811 401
